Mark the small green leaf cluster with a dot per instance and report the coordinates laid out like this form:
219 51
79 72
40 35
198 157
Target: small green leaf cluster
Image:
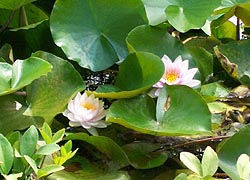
206 169
24 155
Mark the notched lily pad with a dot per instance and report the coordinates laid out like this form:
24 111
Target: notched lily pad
138 72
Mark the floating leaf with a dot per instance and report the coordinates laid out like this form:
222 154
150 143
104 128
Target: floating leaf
104 145
92 33
142 156
137 73
155 40
46 99
187 114
192 14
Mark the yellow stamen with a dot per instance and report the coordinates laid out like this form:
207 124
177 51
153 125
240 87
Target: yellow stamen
88 106
171 76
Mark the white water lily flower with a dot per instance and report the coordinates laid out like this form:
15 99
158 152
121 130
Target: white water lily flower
86 111
176 72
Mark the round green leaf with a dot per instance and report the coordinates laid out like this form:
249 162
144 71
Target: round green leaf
191 14
142 156
14 4
155 40
13 119
92 33
22 73
230 151
49 95
6 155
188 114
137 73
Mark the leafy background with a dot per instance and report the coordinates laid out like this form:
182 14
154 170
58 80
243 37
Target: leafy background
50 50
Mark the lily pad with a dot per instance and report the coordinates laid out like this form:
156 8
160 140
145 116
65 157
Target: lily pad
104 145
142 156
92 33
192 14
137 73
188 114
155 40
48 96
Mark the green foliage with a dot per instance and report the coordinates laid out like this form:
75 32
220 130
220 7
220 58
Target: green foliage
232 149
26 155
139 114
21 74
52 50
98 41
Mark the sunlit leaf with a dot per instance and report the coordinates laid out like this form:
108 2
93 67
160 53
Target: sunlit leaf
209 162
92 33
21 73
187 114
192 14
191 162
48 169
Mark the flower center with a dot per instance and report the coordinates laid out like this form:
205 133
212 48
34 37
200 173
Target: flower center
88 106
171 76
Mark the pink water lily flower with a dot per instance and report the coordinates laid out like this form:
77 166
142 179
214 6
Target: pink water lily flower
86 111
176 72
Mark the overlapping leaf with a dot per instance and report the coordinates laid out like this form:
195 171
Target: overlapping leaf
187 114
93 32
21 73
137 73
